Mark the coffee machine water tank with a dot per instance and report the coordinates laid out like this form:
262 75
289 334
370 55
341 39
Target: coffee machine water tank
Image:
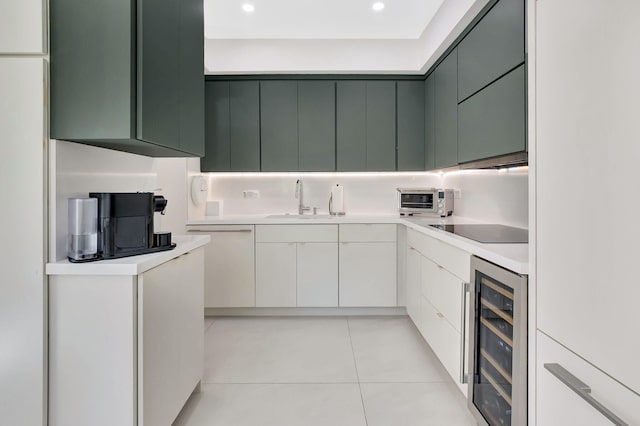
83 229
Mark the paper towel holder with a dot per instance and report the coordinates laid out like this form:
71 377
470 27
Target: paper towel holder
331 212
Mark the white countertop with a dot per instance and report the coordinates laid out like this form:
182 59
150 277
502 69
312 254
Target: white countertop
514 257
132 265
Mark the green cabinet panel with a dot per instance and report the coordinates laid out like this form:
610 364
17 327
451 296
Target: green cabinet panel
351 126
381 125
279 125
191 95
493 121
429 123
232 127
492 48
244 126
446 112
128 75
217 132
158 115
411 128
316 126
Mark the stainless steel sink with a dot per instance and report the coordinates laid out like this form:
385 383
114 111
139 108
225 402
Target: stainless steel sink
299 216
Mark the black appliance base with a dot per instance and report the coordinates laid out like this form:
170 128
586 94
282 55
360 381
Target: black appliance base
127 254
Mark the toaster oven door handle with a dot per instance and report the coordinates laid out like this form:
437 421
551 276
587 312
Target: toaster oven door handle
583 390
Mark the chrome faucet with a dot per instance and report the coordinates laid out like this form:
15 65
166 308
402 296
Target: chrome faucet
301 207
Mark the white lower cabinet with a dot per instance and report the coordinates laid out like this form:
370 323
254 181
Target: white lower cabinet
126 349
368 274
296 266
275 275
317 274
437 301
229 266
558 404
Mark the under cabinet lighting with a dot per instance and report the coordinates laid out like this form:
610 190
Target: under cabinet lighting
248 7
378 6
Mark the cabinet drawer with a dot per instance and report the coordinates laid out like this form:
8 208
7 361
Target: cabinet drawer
443 290
368 232
296 233
456 261
442 337
557 404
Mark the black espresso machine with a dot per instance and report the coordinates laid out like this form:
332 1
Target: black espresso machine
109 225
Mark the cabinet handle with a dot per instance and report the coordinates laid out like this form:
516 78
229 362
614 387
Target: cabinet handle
583 390
219 230
439 315
464 377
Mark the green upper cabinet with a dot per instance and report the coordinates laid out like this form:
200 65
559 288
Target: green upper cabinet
446 111
351 126
493 121
411 125
366 125
316 126
232 127
430 122
128 75
492 48
217 133
381 125
279 125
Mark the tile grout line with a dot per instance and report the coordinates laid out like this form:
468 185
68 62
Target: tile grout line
355 364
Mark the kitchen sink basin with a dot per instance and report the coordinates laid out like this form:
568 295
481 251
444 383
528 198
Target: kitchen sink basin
299 216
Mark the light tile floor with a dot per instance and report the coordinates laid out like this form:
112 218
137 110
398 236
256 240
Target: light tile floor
308 371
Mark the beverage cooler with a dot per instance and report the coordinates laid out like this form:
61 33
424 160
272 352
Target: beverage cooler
498 345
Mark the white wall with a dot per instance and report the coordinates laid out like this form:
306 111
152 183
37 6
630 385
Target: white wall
76 170
499 196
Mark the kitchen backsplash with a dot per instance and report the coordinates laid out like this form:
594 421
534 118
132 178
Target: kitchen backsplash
76 169
488 195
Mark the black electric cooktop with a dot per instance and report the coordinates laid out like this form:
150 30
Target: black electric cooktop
488 234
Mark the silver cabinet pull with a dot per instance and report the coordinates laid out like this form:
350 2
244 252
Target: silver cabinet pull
464 377
584 390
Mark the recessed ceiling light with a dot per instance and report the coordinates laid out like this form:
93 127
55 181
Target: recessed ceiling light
378 6
248 7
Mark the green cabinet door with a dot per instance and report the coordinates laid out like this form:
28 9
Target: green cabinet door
492 48
244 126
381 125
411 116
446 111
492 122
158 79
279 125
217 146
191 81
351 122
429 123
316 126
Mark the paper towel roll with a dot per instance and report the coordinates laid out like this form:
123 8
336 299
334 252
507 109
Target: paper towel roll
336 200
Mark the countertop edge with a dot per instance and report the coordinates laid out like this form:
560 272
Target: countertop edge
490 252
133 265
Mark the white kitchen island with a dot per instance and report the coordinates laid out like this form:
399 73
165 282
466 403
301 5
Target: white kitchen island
126 337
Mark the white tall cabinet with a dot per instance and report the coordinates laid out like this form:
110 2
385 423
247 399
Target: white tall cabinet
23 153
587 199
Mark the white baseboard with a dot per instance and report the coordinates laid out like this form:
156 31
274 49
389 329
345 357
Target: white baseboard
399 310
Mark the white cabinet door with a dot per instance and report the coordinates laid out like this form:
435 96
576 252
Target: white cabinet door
317 274
558 405
22 26
414 261
276 275
368 274
230 268
444 291
171 330
587 149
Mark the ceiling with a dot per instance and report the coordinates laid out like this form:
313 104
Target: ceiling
331 36
318 19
